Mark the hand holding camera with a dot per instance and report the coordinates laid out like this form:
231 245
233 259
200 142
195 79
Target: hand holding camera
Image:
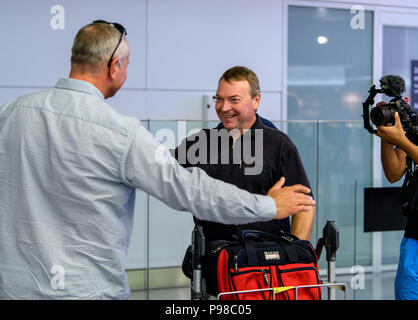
393 134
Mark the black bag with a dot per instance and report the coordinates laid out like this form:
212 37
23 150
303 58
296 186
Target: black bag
409 192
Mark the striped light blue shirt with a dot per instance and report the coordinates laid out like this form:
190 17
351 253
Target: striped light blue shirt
69 166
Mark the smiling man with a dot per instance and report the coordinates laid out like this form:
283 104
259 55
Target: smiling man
237 100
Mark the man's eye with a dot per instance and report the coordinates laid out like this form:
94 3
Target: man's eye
235 100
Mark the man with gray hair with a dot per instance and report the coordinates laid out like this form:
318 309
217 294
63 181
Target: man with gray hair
69 168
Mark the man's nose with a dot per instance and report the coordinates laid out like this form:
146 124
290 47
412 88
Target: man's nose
225 106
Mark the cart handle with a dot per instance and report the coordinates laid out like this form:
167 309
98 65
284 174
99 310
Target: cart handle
339 286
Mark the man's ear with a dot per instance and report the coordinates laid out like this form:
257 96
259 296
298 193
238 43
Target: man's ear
114 67
257 99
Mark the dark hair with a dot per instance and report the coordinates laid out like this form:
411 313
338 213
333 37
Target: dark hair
239 73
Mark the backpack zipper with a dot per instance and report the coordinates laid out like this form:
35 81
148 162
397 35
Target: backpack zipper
219 248
263 271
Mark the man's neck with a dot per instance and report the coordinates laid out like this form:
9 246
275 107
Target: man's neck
95 80
237 132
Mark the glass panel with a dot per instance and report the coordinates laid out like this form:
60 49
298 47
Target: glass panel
329 74
304 136
399 64
345 157
391 241
329 64
363 241
395 63
170 231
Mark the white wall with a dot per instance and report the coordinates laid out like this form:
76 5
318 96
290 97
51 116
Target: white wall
179 49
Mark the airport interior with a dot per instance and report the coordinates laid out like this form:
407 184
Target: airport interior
316 61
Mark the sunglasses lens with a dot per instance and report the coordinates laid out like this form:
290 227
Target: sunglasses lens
120 28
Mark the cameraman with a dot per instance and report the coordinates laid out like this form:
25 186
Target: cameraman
395 148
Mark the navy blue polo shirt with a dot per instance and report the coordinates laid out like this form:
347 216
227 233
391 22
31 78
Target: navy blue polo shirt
280 158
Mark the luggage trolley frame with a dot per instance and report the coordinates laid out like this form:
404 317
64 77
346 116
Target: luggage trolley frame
330 241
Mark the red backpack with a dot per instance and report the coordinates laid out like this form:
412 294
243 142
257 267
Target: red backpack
265 265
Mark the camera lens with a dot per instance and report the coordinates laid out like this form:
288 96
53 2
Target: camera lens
382 116
378 116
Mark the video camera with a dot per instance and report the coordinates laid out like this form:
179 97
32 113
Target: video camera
392 86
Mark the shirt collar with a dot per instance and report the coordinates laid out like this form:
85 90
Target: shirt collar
79 85
258 124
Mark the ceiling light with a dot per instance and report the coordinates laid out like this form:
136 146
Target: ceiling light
322 39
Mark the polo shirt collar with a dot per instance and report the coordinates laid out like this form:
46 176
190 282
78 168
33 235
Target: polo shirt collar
79 85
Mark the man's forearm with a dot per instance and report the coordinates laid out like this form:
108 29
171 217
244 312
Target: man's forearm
152 169
410 148
302 224
393 162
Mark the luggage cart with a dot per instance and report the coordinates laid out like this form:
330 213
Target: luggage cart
331 286
196 251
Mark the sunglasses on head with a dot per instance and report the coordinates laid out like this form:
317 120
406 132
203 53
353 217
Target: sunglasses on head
122 31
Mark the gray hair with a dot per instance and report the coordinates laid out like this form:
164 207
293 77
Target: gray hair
94 44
